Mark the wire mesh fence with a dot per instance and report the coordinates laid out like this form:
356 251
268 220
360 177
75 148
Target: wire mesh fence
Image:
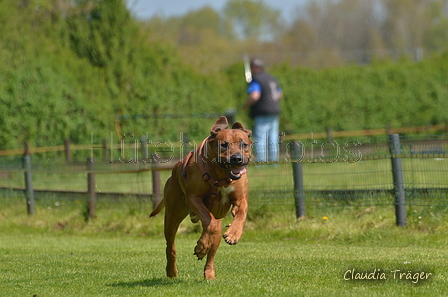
337 173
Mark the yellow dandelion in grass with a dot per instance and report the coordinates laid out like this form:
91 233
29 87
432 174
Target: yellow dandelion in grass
324 218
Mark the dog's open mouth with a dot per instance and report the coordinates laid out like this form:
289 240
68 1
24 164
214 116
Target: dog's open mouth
234 172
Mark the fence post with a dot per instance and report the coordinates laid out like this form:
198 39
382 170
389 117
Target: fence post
329 134
105 155
156 188
29 192
230 114
68 155
91 195
144 142
397 170
299 190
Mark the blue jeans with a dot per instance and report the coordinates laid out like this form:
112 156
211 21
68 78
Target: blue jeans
266 138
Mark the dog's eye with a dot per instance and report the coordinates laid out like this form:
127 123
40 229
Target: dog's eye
244 145
225 145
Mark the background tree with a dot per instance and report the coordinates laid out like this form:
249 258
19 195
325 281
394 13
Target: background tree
323 33
252 19
435 37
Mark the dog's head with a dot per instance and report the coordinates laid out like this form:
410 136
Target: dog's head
230 148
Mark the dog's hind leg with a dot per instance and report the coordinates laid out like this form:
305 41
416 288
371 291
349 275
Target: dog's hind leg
209 269
172 222
175 212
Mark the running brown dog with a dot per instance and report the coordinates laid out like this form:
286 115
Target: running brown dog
206 184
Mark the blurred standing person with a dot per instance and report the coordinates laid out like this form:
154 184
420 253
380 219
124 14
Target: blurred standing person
263 99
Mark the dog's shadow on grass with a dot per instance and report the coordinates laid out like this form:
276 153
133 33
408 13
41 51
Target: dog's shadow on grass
153 282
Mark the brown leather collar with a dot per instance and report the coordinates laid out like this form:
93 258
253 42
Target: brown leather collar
207 177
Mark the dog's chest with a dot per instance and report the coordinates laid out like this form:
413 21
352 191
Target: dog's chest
225 193
221 205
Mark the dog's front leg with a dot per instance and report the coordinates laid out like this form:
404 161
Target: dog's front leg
210 226
209 269
239 212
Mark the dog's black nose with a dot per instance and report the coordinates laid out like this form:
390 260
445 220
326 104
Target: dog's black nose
236 159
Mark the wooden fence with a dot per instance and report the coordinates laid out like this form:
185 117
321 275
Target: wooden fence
104 149
298 190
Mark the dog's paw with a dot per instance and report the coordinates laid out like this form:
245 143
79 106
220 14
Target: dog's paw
201 249
209 273
232 237
172 274
171 271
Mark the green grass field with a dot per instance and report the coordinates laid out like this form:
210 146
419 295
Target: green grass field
121 253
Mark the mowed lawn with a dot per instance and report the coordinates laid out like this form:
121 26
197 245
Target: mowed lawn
265 264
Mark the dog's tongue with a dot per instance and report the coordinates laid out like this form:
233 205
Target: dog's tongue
239 170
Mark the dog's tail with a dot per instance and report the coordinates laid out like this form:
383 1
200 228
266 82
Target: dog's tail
158 208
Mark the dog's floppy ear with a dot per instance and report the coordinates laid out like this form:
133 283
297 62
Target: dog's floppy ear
220 124
237 125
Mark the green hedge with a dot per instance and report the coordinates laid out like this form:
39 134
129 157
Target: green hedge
71 74
365 97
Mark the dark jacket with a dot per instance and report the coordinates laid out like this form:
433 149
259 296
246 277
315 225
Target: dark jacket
268 104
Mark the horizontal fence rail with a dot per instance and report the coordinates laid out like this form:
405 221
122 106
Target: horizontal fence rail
330 135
